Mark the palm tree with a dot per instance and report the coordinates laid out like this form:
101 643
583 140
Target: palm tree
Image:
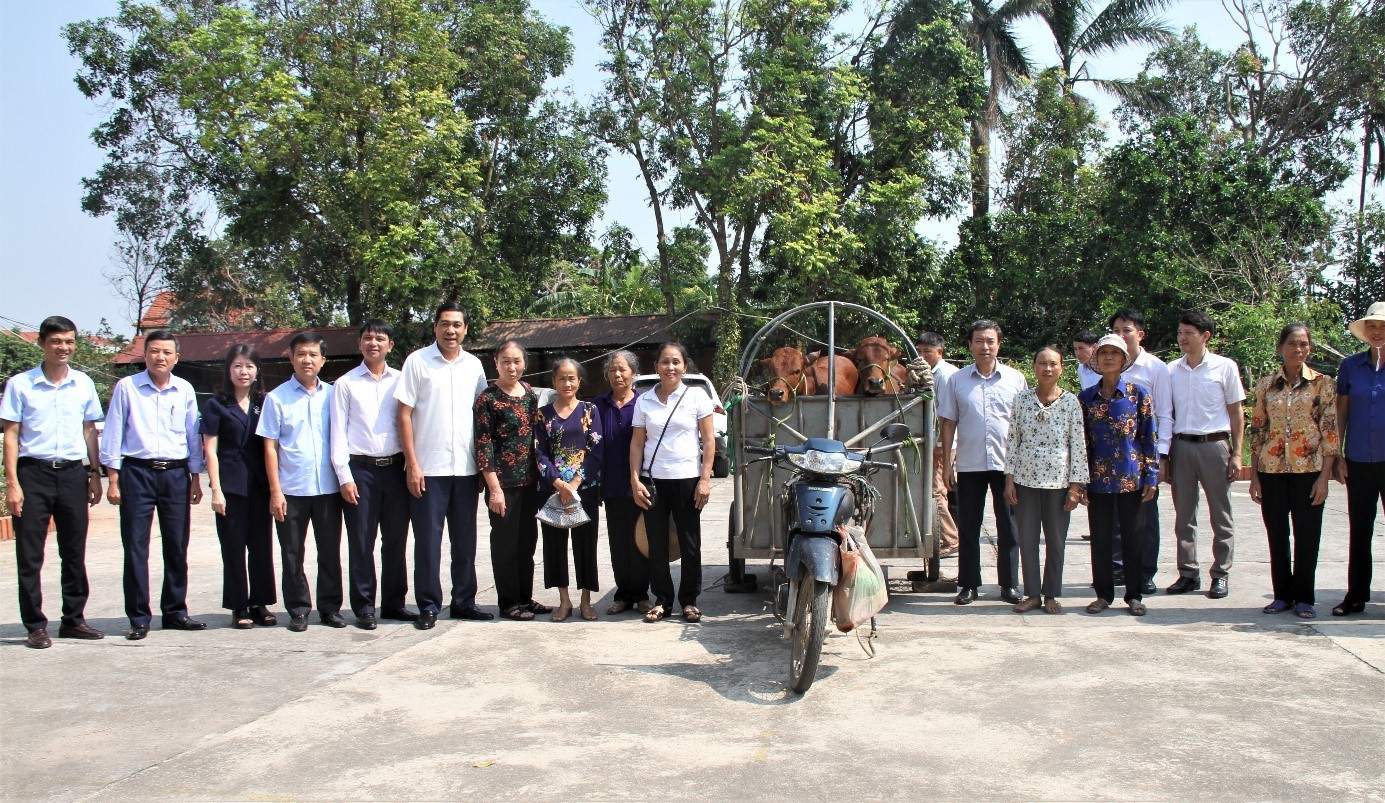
991 36
1080 32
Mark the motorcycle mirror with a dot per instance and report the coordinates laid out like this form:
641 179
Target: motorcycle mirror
896 432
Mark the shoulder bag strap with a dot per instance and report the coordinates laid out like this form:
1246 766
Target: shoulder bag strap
664 432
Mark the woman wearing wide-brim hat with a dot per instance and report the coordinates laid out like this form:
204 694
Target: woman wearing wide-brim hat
1361 419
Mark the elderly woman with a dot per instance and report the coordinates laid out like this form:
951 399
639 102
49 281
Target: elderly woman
569 446
504 423
240 490
1293 447
617 411
1045 470
1360 411
673 442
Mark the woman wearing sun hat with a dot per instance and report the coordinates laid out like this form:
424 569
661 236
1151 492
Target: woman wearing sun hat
1361 419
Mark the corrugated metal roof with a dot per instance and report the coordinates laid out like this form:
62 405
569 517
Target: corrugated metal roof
338 341
610 331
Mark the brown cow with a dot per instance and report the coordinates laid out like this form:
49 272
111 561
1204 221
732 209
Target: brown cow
790 375
879 366
846 375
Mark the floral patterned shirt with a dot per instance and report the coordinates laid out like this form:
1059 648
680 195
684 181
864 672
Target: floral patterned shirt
1292 428
505 435
1122 439
570 448
1047 446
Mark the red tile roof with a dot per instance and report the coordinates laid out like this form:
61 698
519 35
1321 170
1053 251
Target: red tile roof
608 331
339 341
159 313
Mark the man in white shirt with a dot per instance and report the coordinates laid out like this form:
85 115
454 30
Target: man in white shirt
370 467
975 408
930 347
437 391
1083 348
1208 424
1153 374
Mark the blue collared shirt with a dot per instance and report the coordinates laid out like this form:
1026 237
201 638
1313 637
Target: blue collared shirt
1364 385
302 424
51 417
150 423
981 407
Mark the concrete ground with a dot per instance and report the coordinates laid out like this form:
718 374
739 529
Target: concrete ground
1200 699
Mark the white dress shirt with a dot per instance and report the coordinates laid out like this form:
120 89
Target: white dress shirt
151 423
1086 377
442 394
981 406
1153 373
1202 394
365 418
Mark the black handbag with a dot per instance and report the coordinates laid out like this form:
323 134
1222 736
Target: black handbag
645 479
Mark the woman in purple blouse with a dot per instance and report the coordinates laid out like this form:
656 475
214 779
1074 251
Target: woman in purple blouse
617 410
568 445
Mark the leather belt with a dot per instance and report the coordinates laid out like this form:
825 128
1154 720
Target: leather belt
1209 438
378 462
155 464
56 465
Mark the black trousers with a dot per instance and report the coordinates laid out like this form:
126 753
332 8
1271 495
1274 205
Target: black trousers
1365 493
1151 540
247 551
382 507
1287 504
676 501
451 500
971 505
629 566
1103 511
61 496
583 548
323 513
514 536
144 492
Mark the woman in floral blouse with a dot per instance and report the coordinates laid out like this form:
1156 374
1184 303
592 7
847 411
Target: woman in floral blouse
1293 447
1045 469
569 447
504 421
1123 457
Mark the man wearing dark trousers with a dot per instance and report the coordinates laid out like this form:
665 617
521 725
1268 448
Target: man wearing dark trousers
50 415
437 390
303 489
152 451
370 468
974 407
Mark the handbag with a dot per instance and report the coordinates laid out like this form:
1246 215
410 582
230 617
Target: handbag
563 516
645 474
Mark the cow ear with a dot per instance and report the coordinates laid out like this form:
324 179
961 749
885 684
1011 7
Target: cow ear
850 354
767 362
813 356
896 352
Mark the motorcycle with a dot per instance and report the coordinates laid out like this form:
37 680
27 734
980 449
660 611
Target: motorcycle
829 489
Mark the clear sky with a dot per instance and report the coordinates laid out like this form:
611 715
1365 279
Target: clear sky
52 255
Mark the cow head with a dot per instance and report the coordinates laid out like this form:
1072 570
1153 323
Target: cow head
876 360
790 375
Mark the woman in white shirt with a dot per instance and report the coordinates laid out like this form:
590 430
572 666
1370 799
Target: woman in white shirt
673 447
1045 470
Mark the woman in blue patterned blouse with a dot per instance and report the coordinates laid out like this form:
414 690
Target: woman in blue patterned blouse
568 445
1123 456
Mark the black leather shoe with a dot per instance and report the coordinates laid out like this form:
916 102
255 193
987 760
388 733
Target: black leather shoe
333 619
1184 584
81 630
1149 588
1011 595
1220 588
399 615
38 639
366 621
473 614
965 596
298 624
426 620
137 632
183 623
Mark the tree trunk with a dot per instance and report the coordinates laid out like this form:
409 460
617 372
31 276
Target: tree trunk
980 168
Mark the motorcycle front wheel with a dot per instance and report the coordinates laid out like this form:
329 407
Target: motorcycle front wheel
811 612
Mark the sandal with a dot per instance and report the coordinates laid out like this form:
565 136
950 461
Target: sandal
240 619
691 614
518 613
1278 606
644 606
619 606
655 613
1305 610
588 613
1097 605
262 616
562 613
536 607
1051 606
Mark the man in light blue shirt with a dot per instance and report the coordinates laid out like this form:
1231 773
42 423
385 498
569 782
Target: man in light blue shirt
152 450
50 415
297 427
975 407
931 346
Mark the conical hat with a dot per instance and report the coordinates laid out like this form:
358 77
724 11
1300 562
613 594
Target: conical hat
642 538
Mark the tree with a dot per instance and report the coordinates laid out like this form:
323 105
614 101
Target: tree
1080 32
990 32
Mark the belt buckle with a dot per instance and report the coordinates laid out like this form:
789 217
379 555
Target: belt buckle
159 465
383 462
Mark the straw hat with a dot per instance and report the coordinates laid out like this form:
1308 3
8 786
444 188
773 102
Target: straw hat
642 538
1115 341
1376 312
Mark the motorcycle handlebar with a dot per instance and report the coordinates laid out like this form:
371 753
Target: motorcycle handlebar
878 464
758 450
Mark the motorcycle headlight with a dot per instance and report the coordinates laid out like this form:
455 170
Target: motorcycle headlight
826 462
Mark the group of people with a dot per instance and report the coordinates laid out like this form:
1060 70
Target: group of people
382 451
1040 452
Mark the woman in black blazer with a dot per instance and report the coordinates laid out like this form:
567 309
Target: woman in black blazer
240 490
